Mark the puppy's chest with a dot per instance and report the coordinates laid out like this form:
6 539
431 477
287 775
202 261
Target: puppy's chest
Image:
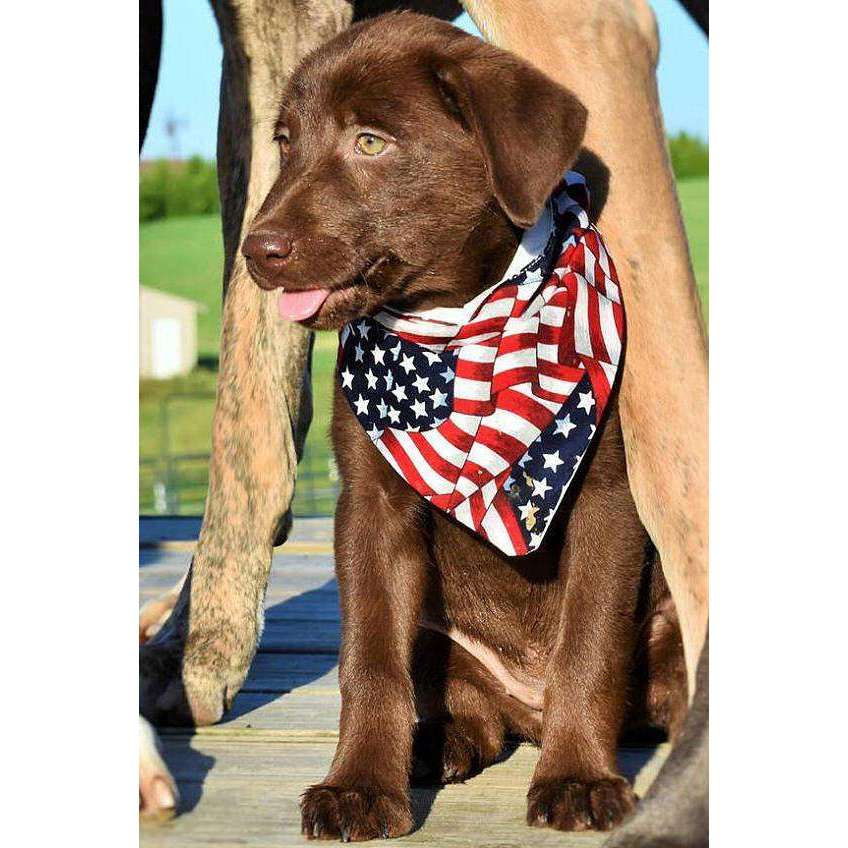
510 604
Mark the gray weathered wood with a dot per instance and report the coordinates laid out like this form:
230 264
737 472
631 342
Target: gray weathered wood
282 673
301 635
240 780
246 793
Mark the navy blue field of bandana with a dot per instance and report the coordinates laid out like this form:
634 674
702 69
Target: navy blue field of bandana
540 478
393 383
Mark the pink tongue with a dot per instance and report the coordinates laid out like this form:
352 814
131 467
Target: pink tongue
296 306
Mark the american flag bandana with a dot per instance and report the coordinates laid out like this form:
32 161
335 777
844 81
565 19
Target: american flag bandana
488 409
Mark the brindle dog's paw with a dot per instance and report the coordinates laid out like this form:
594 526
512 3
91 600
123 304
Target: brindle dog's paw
570 804
448 753
177 688
168 696
353 813
191 668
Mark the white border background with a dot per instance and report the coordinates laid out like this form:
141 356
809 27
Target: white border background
777 416
69 442
69 360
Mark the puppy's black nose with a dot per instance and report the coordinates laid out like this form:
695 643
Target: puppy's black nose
267 252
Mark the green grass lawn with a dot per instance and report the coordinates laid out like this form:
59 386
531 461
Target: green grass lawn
695 200
184 256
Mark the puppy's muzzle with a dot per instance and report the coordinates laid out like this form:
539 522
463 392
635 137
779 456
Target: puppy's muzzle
267 254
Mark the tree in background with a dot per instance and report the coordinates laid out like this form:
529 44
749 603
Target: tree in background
175 188
690 157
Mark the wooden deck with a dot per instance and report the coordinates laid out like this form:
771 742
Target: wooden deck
240 781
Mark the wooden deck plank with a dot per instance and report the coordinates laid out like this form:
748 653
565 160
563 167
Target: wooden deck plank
286 672
288 577
168 568
301 635
298 711
246 793
153 529
320 604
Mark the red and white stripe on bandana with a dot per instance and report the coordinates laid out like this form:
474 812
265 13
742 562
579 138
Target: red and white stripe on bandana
487 409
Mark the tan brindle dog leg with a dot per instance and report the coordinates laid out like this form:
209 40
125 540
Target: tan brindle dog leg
193 667
605 51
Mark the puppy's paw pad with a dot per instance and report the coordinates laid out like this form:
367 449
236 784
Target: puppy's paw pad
570 804
353 813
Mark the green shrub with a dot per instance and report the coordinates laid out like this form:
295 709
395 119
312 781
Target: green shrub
171 189
152 191
690 157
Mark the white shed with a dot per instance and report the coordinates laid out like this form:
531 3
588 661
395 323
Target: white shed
167 334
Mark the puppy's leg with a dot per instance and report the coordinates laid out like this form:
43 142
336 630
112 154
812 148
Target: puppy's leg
576 785
658 692
381 563
193 667
462 724
666 692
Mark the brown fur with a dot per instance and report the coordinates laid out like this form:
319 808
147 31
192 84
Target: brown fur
430 222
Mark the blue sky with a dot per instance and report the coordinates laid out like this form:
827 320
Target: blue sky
187 92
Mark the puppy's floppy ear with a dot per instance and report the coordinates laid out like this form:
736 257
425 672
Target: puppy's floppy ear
529 128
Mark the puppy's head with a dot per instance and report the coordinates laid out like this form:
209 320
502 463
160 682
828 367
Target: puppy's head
410 156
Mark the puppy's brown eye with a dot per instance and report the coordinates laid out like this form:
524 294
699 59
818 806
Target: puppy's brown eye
370 144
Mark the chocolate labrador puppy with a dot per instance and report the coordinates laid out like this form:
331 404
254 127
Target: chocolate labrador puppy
413 156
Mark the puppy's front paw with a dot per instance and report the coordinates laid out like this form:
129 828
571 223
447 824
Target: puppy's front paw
353 813
570 804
